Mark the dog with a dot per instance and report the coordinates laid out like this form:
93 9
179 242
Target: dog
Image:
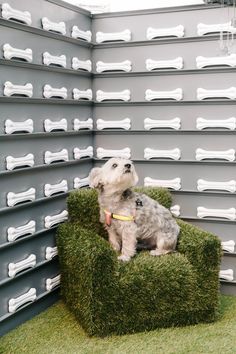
131 217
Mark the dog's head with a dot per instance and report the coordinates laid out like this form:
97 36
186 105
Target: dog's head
116 175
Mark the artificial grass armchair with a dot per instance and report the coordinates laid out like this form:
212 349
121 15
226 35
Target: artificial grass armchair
108 296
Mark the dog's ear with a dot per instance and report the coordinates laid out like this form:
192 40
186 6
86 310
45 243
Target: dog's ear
95 178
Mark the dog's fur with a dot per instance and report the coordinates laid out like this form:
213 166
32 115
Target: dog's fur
153 224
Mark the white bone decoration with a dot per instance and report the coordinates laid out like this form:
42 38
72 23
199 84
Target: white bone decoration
81 64
80 153
121 66
177 31
51 283
48 25
229 213
27 126
174 183
51 252
50 92
15 303
23 161
203 28
11 89
50 157
176 94
83 124
50 125
229 60
229 123
175 210
80 34
229 93
51 220
122 124
15 198
120 95
177 63
229 186
113 36
81 182
173 154
82 94
59 60
202 154
12 14
51 189
13 233
106 153
9 53
228 246
14 268
174 123
227 274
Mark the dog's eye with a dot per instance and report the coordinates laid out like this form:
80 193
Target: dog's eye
114 165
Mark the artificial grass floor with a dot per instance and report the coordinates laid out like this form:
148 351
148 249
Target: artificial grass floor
55 331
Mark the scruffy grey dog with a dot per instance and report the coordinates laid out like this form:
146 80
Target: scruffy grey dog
131 217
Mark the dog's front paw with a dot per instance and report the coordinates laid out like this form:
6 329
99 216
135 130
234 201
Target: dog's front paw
124 258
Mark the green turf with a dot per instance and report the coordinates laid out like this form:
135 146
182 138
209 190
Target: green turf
55 331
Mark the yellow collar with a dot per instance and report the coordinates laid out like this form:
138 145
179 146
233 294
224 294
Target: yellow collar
109 216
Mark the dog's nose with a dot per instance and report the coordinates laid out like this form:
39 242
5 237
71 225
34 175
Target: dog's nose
128 165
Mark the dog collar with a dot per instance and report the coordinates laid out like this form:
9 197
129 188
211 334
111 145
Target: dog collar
109 216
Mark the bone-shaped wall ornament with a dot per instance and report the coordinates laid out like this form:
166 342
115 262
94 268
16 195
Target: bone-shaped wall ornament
14 53
176 94
175 210
229 186
105 96
23 161
229 93
203 28
51 252
177 63
177 31
51 220
80 153
106 153
50 157
173 154
48 25
83 124
13 233
15 198
51 189
113 36
229 123
15 303
202 154
81 64
81 182
59 60
12 14
11 89
15 268
121 66
26 126
174 123
229 60
228 246
226 274
50 125
114 124
229 213
174 183
82 94
51 283
49 92
80 34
